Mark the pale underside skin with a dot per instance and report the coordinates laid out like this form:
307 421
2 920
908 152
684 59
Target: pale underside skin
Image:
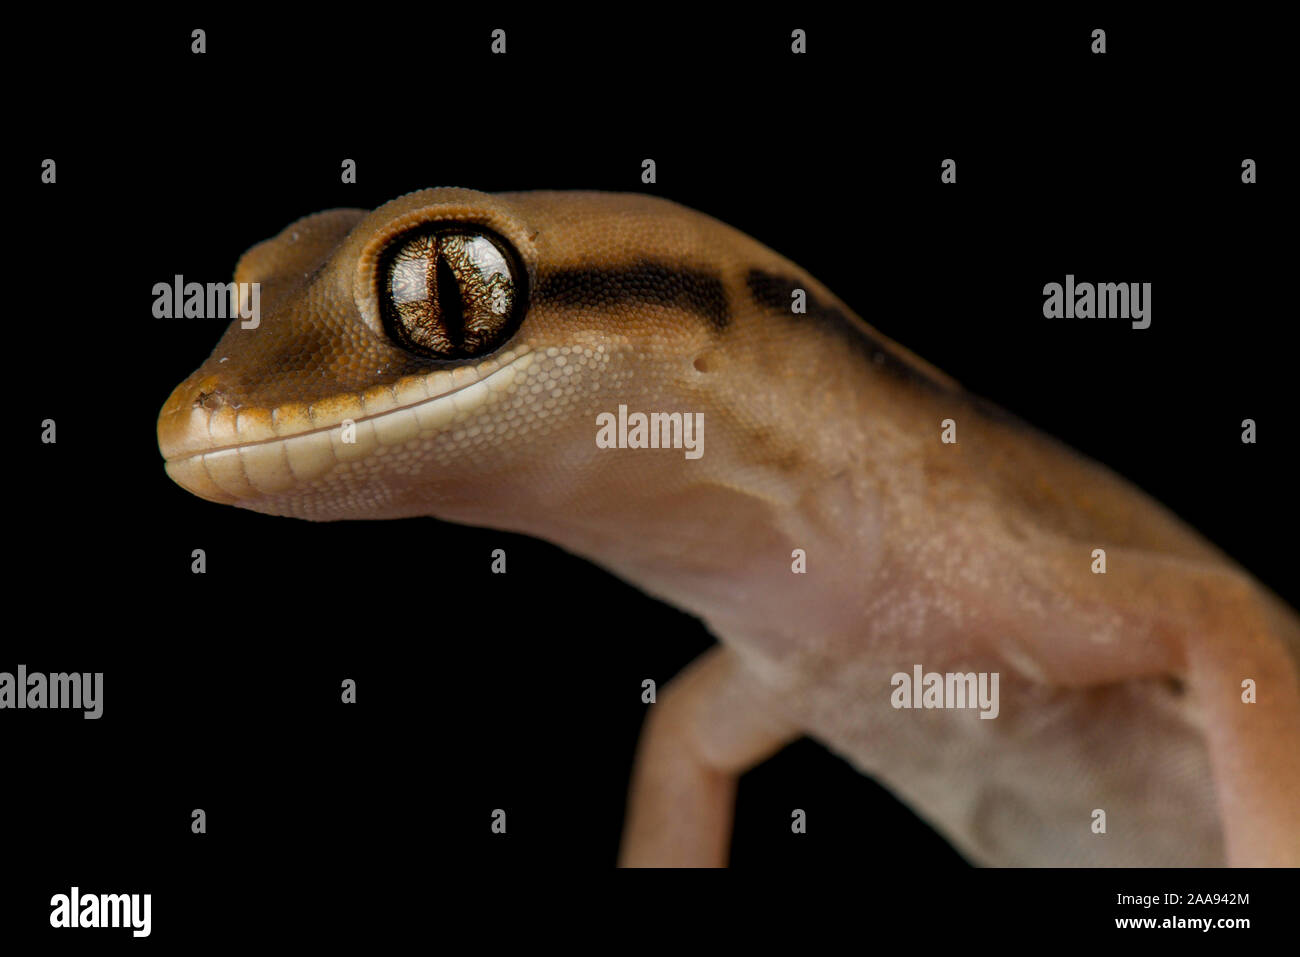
1120 692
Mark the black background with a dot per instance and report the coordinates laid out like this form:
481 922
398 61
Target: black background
479 691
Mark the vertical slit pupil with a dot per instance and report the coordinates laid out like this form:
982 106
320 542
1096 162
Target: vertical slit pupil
450 293
450 307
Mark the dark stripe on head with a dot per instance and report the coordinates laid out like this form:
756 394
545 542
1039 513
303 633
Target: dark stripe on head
776 293
646 282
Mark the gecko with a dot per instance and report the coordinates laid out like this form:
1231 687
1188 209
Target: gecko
453 354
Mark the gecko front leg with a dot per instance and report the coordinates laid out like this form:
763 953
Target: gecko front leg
712 723
1233 645
1253 736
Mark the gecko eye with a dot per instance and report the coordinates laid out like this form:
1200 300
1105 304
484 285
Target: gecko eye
451 292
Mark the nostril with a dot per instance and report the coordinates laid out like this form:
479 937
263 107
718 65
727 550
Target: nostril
210 400
703 362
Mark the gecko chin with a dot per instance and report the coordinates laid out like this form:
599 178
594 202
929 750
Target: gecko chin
358 453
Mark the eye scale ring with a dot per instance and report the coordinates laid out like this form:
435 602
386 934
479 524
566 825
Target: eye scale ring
451 292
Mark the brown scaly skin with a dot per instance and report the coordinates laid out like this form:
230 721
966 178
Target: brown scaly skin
1119 692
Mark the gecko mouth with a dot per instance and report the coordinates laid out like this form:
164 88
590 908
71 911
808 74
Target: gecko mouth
231 472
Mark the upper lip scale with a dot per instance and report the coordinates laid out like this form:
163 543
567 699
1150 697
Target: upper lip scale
364 418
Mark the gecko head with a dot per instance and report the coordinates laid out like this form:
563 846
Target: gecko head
447 354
